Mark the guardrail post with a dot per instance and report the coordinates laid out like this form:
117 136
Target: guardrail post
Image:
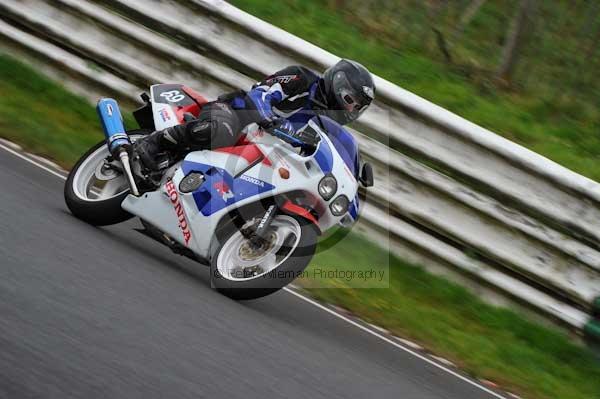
596 308
592 328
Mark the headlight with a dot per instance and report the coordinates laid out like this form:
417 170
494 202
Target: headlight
327 187
191 182
339 206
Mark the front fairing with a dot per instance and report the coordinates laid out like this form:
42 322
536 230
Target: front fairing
344 143
341 147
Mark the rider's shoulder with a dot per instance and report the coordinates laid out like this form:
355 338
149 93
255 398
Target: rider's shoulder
300 72
309 73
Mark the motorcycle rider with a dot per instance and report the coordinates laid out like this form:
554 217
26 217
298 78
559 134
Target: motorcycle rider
282 104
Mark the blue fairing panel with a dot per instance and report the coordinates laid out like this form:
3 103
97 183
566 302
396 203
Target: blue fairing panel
353 209
344 143
324 157
220 189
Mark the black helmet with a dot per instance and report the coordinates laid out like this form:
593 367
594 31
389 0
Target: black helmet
347 89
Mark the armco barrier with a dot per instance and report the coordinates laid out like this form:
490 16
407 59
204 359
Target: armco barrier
533 226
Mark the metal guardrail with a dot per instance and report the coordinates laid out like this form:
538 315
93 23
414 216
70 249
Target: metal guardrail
533 226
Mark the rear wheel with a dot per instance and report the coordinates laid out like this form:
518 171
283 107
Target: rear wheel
96 187
240 270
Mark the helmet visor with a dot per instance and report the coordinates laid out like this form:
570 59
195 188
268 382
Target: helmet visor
352 102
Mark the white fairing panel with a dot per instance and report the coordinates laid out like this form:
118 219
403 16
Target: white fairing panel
231 181
164 116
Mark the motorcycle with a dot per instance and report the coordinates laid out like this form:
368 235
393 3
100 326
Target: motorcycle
252 212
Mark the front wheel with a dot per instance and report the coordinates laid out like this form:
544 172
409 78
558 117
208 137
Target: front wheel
240 270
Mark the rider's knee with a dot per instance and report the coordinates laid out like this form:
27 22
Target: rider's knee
217 126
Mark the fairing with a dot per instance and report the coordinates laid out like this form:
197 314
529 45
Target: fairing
344 143
245 174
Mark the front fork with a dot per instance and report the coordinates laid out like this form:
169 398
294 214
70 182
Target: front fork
116 139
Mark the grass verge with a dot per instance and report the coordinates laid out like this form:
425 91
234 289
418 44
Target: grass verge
559 124
488 342
44 117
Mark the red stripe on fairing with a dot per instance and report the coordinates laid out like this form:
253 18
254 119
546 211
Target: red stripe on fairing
290 207
243 140
193 109
180 112
250 153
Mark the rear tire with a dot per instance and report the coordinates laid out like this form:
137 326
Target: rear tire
97 213
300 255
94 211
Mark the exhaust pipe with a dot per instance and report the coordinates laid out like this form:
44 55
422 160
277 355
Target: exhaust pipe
116 139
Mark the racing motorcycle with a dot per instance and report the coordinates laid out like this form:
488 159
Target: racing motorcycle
253 211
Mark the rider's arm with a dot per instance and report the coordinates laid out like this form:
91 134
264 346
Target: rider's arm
264 97
288 82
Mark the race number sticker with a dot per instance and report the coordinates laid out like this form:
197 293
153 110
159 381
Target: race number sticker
173 96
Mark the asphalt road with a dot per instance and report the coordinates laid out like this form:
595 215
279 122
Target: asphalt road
107 313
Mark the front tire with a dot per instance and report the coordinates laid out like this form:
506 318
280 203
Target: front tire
240 275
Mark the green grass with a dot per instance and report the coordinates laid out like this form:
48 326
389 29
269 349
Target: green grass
552 106
488 342
44 117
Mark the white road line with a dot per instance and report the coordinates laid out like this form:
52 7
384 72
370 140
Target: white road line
315 303
36 163
397 345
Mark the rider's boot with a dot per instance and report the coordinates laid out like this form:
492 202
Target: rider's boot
158 151
154 153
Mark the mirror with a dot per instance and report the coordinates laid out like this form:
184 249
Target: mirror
366 175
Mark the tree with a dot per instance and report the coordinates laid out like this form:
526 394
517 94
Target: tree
466 17
518 31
